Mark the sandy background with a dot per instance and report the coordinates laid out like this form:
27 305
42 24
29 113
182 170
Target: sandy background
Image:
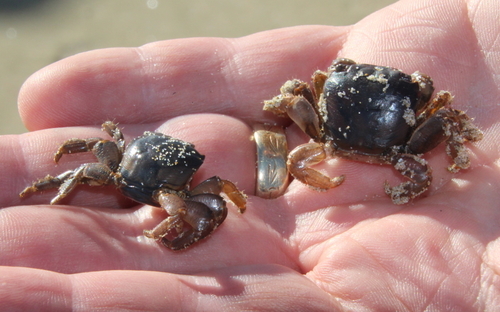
35 33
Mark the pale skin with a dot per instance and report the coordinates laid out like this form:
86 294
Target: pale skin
347 248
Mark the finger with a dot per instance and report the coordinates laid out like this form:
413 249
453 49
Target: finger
171 78
224 141
108 235
242 288
72 239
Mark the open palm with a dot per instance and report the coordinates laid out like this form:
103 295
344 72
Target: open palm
348 248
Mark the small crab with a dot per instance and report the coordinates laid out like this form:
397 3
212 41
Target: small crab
373 114
154 169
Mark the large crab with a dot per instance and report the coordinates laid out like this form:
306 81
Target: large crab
374 114
154 169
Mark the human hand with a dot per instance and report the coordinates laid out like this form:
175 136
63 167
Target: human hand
348 248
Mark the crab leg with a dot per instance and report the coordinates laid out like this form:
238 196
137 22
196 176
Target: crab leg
203 212
306 155
92 174
113 131
47 183
216 185
417 171
72 146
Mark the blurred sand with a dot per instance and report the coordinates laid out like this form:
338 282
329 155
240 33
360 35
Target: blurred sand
39 32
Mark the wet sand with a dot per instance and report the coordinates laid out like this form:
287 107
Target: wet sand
35 33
